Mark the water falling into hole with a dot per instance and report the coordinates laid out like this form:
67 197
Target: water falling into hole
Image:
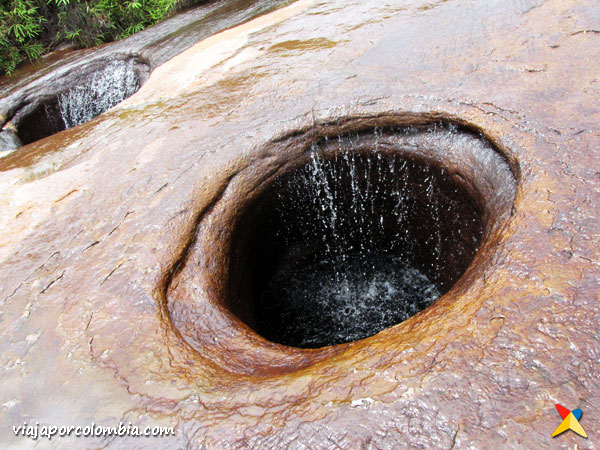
103 90
89 94
351 243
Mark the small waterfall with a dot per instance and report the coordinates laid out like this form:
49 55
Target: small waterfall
103 90
376 214
363 231
356 203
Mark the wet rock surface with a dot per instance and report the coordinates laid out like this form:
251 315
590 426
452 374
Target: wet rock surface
99 222
34 98
9 140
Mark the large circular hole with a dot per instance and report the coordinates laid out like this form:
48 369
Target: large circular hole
348 246
359 234
336 231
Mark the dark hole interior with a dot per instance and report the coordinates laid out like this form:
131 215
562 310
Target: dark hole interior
89 94
348 245
43 121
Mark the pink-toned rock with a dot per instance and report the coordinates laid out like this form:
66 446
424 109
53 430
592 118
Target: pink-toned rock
99 222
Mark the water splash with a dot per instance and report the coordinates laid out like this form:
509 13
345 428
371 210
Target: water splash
318 307
103 90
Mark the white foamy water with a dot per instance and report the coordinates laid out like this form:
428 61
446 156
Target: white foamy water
337 301
102 90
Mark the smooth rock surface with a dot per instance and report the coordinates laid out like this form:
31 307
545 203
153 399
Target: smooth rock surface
31 93
9 141
97 220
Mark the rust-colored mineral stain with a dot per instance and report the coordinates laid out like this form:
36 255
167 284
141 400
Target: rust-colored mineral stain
307 45
116 266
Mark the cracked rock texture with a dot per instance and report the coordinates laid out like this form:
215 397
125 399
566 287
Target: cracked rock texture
96 220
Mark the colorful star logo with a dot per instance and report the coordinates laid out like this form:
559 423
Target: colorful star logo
570 421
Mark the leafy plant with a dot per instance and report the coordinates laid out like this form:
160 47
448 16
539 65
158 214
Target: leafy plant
20 25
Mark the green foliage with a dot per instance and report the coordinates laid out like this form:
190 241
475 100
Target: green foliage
30 28
20 25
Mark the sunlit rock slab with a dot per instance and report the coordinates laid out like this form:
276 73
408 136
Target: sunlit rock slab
94 220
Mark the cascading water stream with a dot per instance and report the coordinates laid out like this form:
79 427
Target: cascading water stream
359 242
356 232
96 90
105 88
